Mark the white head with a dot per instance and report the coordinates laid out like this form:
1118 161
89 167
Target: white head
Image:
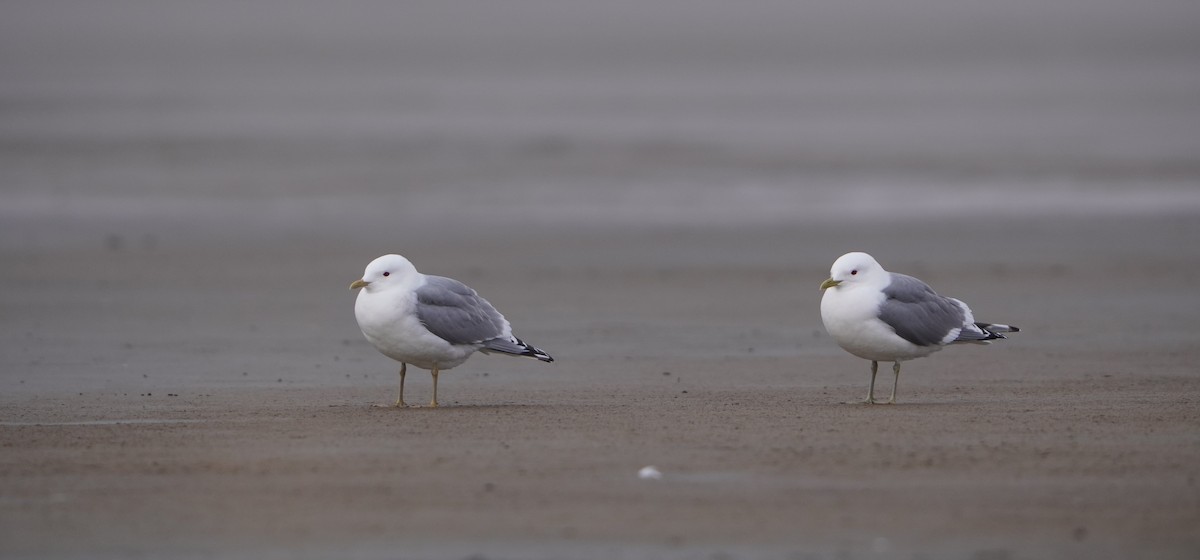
854 269
388 270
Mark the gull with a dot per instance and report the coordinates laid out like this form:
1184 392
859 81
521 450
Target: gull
431 322
888 317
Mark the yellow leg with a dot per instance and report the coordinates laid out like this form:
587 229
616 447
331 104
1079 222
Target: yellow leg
896 372
433 403
871 389
400 398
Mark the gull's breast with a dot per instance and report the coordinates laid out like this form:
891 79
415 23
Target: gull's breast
852 319
389 322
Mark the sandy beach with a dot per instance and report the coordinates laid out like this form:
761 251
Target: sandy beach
654 200
201 404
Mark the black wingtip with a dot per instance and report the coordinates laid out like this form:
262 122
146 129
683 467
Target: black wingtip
533 351
995 329
539 354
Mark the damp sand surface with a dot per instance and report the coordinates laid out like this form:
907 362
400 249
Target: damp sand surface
205 390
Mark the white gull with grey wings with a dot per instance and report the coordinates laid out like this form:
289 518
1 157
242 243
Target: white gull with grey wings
431 322
888 317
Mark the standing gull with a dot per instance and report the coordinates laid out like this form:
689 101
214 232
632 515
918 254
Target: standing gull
888 317
431 322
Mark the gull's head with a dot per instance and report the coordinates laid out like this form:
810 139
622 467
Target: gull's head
385 271
852 269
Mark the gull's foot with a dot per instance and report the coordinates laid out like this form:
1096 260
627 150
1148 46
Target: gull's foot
397 405
871 401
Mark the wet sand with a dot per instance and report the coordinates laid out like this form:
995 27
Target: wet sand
212 403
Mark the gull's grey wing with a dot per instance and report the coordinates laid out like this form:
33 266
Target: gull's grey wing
917 313
454 312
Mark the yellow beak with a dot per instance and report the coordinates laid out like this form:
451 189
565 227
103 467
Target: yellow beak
829 283
360 283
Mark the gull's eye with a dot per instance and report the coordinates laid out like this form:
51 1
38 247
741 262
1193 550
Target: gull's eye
387 273
852 273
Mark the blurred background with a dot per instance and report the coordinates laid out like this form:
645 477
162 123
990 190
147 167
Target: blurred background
147 124
633 178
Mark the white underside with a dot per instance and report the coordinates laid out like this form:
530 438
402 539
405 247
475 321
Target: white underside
850 314
389 323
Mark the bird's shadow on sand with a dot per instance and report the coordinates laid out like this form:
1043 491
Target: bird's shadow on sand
444 407
903 404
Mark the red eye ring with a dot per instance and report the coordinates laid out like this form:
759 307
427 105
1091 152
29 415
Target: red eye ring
387 273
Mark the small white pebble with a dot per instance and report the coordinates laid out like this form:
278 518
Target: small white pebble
649 473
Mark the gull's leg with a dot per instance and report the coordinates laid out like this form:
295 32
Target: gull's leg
400 398
896 372
870 390
433 403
